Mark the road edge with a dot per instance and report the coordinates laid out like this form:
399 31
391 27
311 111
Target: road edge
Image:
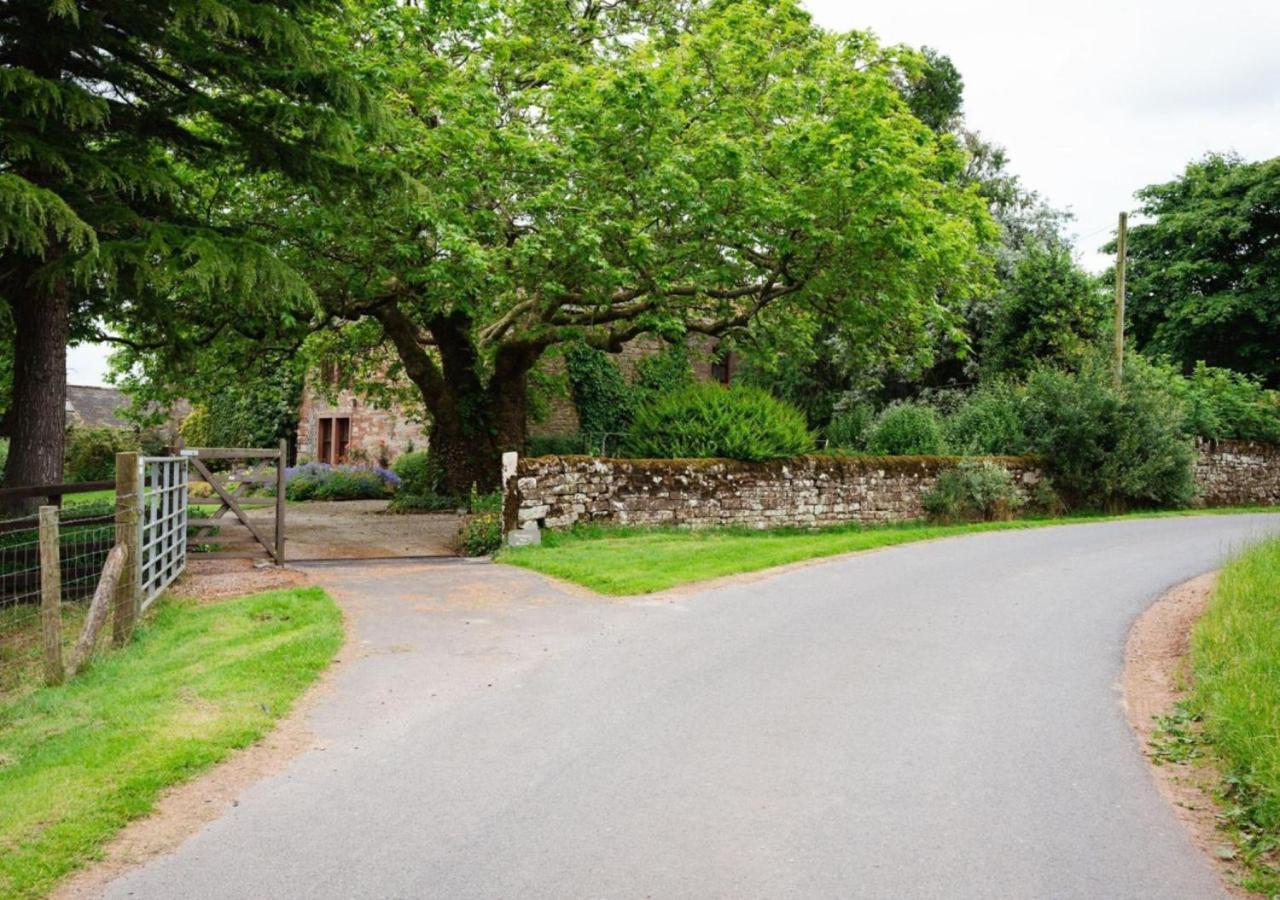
1155 675
184 809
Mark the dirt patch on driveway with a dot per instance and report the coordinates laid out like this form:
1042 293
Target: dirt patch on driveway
217 579
1155 679
363 529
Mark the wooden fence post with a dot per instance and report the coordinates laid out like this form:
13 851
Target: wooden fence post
128 494
51 594
280 464
108 584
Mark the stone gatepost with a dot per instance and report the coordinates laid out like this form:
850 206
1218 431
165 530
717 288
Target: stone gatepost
516 533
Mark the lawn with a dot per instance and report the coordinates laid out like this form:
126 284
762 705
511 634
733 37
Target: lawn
79 761
624 561
1235 655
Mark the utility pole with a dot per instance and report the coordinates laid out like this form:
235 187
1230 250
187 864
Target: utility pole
1117 362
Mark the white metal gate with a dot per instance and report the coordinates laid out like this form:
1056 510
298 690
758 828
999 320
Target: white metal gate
162 523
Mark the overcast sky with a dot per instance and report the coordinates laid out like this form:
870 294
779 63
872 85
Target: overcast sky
1097 98
1092 98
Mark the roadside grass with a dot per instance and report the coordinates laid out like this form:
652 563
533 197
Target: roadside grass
1235 664
621 561
79 761
22 647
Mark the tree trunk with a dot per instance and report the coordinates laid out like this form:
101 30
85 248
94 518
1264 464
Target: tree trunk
467 459
36 419
472 423
470 449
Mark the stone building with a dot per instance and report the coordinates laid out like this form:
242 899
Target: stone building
92 406
351 428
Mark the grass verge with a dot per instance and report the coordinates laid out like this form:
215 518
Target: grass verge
624 561
1235 664
79 761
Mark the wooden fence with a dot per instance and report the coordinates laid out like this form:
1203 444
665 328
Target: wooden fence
57 558
122 555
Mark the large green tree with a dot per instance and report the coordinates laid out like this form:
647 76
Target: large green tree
812 359
593 172
120 123
1204 272
1048 310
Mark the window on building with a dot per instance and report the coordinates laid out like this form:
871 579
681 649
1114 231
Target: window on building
333 439
722 366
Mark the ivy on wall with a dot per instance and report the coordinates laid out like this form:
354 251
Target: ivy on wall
606 402
257 413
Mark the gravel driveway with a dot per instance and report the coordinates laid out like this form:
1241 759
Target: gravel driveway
363 529
933 720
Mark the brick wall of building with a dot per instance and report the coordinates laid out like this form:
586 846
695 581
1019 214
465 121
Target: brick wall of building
376 434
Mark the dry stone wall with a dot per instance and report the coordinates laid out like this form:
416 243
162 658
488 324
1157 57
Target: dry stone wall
1238 473
558 491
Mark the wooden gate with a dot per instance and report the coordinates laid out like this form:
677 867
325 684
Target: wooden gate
246 536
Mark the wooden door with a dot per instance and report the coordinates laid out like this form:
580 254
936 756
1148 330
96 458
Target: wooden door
324 449
341 439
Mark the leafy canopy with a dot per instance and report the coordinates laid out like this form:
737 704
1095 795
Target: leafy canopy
1204 273
590 173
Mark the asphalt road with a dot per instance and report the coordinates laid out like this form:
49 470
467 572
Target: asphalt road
935 720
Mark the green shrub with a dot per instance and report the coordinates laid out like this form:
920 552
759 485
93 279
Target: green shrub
481 532
418 472
91 451
195 428
908 429
1222 404
421 484
989 422
606 402
975 490
709 420
4 453
1110 448
661 373
850 429
1045 498
556 445
321 481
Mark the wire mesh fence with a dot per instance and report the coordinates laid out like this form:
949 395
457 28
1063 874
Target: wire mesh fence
70 560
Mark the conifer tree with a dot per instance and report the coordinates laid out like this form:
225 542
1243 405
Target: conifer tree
108 108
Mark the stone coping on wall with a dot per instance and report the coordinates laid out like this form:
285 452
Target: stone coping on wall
833 462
